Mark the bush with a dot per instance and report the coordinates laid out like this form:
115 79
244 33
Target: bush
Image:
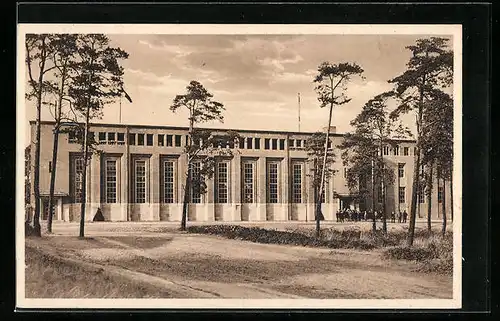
432 252
347 239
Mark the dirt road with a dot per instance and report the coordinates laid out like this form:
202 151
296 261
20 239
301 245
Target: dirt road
201 266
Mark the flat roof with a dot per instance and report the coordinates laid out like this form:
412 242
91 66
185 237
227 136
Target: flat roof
261 131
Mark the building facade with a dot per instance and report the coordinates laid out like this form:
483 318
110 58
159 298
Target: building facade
139 175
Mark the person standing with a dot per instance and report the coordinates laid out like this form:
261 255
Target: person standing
405 216
393 217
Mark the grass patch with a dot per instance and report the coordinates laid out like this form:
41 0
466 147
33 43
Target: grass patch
49 277
433 253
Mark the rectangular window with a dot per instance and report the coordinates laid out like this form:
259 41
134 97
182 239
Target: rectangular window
421 194
110 181
170 142
168 181
257 143
131 139
406 151
440 194
248 182
291 143
282 144
272 182
298 143
402 195
401 170
386 150
111 138
72 137
102 138
222 182
329 144
140 139
266 143
161 140
78 179
177 140
242 142
149 139
396 150
275 144
121 138
297 183
140 181
249 142
195 188
187 140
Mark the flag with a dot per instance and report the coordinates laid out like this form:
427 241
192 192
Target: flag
126 95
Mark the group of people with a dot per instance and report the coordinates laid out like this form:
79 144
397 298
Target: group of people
357 216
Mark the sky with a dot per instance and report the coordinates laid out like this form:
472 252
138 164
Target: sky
256 77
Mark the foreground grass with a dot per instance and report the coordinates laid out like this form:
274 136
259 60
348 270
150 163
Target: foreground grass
50 277
431 251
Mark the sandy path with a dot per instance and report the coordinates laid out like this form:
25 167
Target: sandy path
202 266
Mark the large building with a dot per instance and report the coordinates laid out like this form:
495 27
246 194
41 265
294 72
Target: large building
140 172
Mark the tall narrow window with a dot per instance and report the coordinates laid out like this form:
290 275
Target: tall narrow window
272 182
440 194
421 194
266 143
195 188
248 182
291 143
282 144
396 150
140 139
140 181
149 139
402 195
406 151
249 142
131 139
275 143
401 170
222 182
386 150
242 142
161 139
102 138
257 143
110 181
297 183
168 181
169 141
178 140
78 179
121 138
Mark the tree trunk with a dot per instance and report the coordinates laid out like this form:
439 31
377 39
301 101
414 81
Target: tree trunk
55 148
36 180
185 204
53 177
444 207
429 199
451 198
382 182
374 219
84 174
414 194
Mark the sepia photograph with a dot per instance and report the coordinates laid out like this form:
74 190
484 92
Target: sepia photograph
238 166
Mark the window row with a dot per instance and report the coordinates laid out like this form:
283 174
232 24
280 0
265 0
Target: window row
386 150
110 181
